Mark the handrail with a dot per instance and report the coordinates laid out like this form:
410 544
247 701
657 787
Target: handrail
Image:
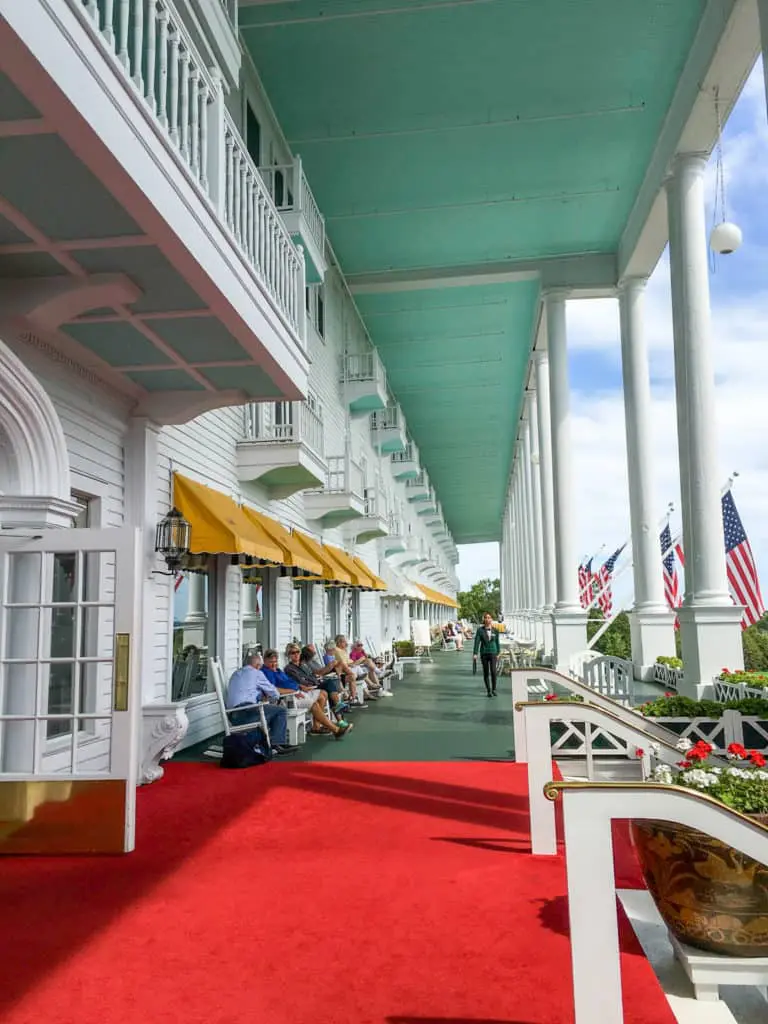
588 812
520 676
543 832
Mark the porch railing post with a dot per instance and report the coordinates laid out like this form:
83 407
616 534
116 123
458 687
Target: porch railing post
217 150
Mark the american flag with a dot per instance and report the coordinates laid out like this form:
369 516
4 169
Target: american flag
671 579
178 581
605 596
585 576
740 565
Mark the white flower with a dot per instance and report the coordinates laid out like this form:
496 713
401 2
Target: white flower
683 745
654 748
699 778
737 773
663 774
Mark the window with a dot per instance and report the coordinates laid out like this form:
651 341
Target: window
194 630
253 620
297 615
66 677
316 307
252 135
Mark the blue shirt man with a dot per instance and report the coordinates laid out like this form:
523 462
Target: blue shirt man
249 685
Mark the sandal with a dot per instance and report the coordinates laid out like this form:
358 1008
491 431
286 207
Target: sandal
343 730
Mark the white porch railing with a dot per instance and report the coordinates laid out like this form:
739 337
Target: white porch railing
150 45
610 676
291 193
538 718
395 526
738 691
418 483
290 422
362 366
589 810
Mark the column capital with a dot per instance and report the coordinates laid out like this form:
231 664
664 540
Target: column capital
682 162
629 285
560 294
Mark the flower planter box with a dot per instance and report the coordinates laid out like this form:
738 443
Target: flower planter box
733 727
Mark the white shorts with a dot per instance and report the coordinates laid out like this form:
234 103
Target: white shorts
360 671
306 699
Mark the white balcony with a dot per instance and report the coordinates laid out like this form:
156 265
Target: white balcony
365 382
388 430
375 522
417 490
183 288
409 555
405 463
395 542
301 215
342 498
283 448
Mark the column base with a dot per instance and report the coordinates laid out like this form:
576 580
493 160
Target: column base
653 635
711 641
547 633
569 626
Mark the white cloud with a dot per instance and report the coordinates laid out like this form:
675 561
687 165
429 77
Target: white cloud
477 562
740 355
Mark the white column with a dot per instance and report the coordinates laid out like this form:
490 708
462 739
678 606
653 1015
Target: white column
519 570
530 535
541 363
248 604
538 553
652 623
709 623
525 603
570 632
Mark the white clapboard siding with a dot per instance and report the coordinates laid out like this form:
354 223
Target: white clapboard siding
370 620
283 620
231 656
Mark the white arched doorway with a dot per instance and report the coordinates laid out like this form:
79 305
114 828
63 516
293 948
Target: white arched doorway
34 465
69 665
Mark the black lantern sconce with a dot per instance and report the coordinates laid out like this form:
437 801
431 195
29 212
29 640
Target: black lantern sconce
172 540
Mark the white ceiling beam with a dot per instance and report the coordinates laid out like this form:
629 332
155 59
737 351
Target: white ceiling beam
591 274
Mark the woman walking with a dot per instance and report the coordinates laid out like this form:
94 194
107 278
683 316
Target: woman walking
487 645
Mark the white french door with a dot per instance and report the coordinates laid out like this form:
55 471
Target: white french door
69 694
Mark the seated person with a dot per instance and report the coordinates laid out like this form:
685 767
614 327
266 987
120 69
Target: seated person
249 685
306 696
360 671
299 667
344 672
458 636
359 658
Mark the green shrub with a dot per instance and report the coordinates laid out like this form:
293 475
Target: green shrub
404 648
757 679
686 707
663 659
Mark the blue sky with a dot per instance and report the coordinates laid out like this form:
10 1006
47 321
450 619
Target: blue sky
739 291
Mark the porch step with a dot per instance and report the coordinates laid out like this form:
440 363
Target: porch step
604 769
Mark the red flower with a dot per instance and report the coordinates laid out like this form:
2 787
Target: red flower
551 696
669 694
639 752
737 750
685 764
725 672
700 752
757 759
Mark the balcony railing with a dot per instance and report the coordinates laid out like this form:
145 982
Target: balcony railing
361 367
152 48
375 503
395 526
344 476
386 419
287 422
408 454
291 193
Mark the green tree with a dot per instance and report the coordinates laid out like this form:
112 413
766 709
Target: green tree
755 642
483 596
616 640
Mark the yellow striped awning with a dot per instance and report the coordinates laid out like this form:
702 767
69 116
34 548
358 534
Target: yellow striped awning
295 555
361 580
331 570
377 583
436 597
219 525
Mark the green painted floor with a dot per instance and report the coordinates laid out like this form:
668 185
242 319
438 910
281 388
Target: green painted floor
438 714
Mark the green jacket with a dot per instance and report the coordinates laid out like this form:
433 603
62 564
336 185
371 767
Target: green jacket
484 646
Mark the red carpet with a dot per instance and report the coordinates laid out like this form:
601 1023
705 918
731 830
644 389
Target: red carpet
306 894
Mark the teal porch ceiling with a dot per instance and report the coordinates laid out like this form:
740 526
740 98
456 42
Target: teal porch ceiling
456 359
462 134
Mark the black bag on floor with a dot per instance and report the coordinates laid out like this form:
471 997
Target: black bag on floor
245 750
